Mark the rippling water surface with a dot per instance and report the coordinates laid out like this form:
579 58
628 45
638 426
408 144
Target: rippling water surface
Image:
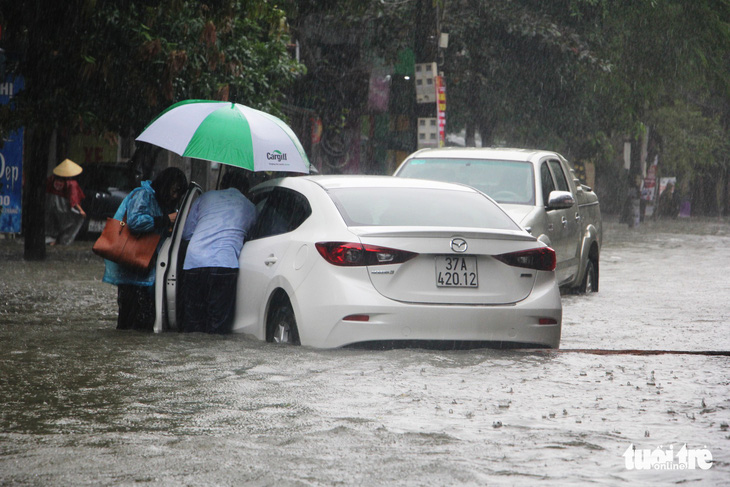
84 404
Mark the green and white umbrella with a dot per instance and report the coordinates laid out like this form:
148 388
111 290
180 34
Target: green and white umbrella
228 133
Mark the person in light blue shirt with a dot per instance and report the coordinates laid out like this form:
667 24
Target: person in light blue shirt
216 227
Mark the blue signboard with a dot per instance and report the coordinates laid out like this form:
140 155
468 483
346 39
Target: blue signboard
11 167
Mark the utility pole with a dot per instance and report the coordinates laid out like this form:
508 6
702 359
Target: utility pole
430 90
425 49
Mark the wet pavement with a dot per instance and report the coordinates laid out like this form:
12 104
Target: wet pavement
84 404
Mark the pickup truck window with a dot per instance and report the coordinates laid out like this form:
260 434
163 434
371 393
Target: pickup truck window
559 175
510 182
546 180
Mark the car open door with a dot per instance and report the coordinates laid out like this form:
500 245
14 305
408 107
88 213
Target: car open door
169 268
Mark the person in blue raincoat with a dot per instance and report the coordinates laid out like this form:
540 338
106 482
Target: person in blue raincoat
152 207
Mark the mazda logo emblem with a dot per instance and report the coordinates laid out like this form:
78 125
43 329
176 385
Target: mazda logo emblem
458 245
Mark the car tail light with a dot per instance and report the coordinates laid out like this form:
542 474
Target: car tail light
355 254
542 259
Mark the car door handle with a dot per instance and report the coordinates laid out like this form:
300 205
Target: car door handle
565 222
577 217
270 260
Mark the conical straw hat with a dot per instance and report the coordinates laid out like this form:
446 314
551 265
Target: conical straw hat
67 169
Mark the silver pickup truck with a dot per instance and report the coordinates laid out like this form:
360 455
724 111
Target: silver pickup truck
538 189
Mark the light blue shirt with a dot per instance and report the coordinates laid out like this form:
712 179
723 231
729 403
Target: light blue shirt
217 226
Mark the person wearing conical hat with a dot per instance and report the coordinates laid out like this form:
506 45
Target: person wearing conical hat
64 214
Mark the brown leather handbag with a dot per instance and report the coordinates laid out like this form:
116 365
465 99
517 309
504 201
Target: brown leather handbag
118 244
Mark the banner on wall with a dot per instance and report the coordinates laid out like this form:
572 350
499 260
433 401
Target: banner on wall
11 167
441 108
379 92
89 149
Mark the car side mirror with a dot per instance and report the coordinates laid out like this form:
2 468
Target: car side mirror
560 200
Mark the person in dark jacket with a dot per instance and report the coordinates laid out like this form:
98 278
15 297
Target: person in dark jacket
152 207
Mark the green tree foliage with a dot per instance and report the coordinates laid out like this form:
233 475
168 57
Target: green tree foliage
690 140
344 40
112 66
572 74
695 149
672 74
518 72
578 76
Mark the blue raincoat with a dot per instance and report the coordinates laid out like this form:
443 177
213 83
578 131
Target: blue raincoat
141 208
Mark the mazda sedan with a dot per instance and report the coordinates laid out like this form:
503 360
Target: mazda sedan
337 261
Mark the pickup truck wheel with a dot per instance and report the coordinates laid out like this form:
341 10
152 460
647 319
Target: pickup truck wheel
590 280
281 327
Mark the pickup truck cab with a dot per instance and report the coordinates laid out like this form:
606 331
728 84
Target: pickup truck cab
538 189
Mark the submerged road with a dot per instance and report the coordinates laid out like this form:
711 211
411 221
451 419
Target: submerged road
639 393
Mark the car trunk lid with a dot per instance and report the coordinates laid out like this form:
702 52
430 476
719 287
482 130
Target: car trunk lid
451 267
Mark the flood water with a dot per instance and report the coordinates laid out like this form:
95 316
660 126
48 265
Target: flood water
84 404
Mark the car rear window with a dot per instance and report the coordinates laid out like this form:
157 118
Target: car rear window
505 181
419 207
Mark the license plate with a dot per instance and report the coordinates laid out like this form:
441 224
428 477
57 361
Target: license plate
96 226
456 271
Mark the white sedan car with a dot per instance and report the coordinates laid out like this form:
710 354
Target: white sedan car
338 261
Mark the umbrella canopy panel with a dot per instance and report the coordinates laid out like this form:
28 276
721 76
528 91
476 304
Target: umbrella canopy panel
228 133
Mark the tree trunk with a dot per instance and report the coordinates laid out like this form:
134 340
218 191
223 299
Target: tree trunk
470 135
425 48
485 127
34 213
721 191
